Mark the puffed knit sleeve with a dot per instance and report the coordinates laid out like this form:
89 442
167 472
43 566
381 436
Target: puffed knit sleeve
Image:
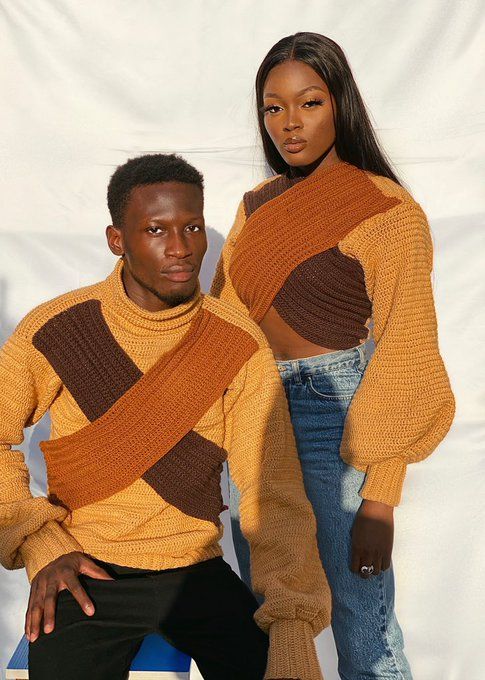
222 286
278 521
30 529
404 405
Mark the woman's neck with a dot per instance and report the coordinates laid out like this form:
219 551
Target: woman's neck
327 159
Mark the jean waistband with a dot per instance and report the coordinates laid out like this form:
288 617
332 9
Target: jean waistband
299 369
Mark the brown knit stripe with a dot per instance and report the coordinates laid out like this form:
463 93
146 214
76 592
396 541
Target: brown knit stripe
189 477
255 199
309 218
83 352
324 299
151 417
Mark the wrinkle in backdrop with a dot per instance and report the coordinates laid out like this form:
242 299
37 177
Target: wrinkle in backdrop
86 86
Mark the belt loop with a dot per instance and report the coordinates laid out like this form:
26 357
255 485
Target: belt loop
295 366
363 355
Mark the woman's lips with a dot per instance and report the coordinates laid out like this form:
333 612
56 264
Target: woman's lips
294 146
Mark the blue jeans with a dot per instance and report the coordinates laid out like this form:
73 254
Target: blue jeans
319 390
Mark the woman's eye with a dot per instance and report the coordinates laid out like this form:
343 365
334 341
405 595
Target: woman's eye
313 102
271 109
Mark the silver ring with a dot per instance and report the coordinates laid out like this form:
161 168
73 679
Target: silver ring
367 571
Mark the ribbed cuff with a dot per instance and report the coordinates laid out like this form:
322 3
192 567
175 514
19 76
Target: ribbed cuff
384 481
292 654
47 544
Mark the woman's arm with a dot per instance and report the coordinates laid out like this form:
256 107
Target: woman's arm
404 405
222 286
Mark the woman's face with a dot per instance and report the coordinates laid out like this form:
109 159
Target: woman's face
298 113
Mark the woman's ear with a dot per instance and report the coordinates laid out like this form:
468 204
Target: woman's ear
114 236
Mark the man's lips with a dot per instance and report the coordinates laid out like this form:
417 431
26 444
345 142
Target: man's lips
179 274
294 144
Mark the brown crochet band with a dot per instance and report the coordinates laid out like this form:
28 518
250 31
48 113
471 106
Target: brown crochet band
309 217
150 418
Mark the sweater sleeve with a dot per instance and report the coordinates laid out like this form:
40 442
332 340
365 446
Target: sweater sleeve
222 286
30 531
278 522
404 405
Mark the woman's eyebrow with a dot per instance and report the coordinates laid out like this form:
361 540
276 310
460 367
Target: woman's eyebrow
298 94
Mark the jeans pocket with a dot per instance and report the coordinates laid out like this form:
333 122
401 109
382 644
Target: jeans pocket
330 396
335 386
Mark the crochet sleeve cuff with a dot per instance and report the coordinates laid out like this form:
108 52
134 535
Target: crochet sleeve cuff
45 545
292 652
384 481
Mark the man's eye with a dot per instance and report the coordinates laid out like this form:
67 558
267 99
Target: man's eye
154 230
193 227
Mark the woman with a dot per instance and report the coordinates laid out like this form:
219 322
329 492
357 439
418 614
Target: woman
323 252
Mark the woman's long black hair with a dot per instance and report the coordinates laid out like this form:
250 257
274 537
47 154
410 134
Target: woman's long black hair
355 139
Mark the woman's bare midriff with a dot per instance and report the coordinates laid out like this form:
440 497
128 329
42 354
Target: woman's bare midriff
285 342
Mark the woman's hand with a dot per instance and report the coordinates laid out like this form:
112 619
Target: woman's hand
372 538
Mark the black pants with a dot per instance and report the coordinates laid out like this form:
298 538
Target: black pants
204 610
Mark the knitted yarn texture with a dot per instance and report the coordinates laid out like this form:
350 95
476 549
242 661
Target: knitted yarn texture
145 407
404 405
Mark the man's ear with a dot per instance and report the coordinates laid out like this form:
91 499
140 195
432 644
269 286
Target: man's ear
114 236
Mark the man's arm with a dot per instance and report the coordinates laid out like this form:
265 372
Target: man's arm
278 521
30 528
30 531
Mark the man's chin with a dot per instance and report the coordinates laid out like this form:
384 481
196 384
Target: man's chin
177 294
176 297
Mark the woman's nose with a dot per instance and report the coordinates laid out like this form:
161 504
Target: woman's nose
292 120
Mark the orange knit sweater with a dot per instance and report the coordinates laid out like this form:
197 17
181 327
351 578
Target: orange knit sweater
404 405
145 407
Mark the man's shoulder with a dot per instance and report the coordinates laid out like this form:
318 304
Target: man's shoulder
235 317
45 311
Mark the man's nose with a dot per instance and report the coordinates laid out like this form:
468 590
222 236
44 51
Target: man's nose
177 245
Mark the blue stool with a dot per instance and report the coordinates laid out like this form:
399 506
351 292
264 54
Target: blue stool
156 660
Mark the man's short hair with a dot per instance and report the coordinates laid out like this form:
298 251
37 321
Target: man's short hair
143 170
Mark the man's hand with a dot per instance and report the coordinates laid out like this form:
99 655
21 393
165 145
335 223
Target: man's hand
60 574
372 538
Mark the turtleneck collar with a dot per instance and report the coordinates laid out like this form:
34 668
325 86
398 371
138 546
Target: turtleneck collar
123 308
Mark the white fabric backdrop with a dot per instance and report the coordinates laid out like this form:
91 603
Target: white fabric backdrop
86 85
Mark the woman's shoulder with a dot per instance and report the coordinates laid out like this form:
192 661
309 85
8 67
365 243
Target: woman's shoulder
405 214
264 183
392 189
402 227
265 191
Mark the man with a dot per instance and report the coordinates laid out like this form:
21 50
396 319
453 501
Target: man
151 386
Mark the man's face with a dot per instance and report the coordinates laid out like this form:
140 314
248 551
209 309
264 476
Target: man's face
163 242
